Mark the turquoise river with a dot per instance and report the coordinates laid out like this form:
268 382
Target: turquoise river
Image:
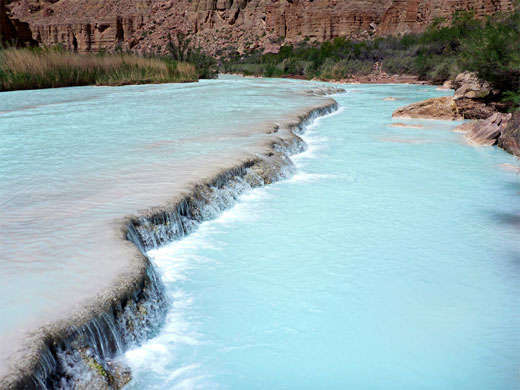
388 259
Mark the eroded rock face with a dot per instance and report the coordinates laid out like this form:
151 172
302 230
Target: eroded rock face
90 25
468 86
474 108
509 139
473 99
485 132
434 108
12 30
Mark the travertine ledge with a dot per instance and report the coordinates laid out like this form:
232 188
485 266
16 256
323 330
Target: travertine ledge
79 350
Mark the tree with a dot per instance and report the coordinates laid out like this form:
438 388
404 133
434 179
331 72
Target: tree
493 51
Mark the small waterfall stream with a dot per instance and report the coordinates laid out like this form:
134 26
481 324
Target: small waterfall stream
85 356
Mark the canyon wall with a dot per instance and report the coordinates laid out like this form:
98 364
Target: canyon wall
12 30
222 25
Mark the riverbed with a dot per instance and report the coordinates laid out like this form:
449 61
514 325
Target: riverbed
387 259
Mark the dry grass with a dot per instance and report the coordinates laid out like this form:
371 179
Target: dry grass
32 69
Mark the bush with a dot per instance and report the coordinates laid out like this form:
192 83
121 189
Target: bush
493 51
180 49
491 48
398 65
344 69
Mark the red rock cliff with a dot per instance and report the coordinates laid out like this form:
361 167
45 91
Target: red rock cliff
12 30
142 25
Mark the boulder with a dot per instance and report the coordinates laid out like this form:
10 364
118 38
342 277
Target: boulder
468 85
466 126
486 131
434 108
448 84
509 140
474 109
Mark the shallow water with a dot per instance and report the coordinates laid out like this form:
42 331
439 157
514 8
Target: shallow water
389 260
74 160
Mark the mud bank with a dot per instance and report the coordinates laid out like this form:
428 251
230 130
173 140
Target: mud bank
81 351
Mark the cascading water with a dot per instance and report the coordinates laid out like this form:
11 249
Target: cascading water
351 278
387 261
83 352
86 356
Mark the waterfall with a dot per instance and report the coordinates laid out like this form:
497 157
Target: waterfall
83 353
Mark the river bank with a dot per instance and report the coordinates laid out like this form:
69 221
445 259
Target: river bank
475 100
22 69
372 78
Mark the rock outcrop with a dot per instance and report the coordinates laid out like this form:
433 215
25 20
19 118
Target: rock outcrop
467 85
219 25
473 96
474 108
509 139
472 99
434 108
485 132
12 30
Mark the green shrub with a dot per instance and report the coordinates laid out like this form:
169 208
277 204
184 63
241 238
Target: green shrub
491 48
493 51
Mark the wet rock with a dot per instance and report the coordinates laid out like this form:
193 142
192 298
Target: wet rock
487 131
406 125
119 375
434 108
509 140
324 91
474 109
466 126
96 375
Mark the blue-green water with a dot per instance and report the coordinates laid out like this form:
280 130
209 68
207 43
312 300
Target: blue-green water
75 160
390 260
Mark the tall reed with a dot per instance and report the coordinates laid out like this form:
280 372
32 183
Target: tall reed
44 68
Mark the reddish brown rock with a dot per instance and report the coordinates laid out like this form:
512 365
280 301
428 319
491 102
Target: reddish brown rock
12 30
407 125
222 25
486 131
434 108
468 86
474 108
509 139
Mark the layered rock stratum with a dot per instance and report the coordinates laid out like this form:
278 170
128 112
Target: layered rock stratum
221 25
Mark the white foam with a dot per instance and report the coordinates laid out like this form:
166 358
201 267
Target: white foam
304 177
315 141
176 259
